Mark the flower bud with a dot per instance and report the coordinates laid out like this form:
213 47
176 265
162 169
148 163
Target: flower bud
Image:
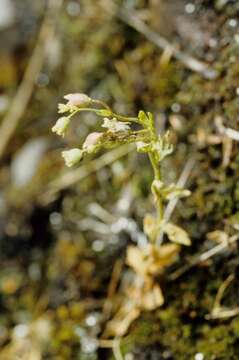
72 156
79 100
91 141
61 125
157 185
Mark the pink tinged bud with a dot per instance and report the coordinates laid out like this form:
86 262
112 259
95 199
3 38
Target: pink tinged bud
91 141
80 100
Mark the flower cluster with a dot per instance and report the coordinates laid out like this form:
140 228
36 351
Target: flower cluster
117 130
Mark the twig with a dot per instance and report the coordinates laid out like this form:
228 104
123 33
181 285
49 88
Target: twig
114 345
116 349
203 257
105 343
112 287
72 177
230 133
130 18
222 289
223 314
25 89
218 311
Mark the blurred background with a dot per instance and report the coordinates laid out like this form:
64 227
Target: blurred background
64 232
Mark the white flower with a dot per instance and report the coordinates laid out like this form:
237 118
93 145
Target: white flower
61 125
91 141
72 156
63 108
115 126
162 146
79 100
142 146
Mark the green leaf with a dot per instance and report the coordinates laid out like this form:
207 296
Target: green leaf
146 120
143 119
150 119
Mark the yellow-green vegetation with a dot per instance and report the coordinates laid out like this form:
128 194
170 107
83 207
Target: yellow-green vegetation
65 231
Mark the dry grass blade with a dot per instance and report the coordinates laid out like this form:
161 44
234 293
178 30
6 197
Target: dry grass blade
130 18
218 311
116 349
73 176
24 92
222 289
203 257
230 133
117 269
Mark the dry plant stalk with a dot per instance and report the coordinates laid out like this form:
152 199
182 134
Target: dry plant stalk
144 293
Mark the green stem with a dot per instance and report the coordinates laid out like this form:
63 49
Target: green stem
84 109
125 118
73 114
96 111
157 176
120 117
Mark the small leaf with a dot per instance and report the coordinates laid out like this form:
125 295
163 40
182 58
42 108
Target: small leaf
146 120
174 192
150 120
152 298
177 234
122 320
218 236
161 257
135 258
151 260
150 227
142 117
